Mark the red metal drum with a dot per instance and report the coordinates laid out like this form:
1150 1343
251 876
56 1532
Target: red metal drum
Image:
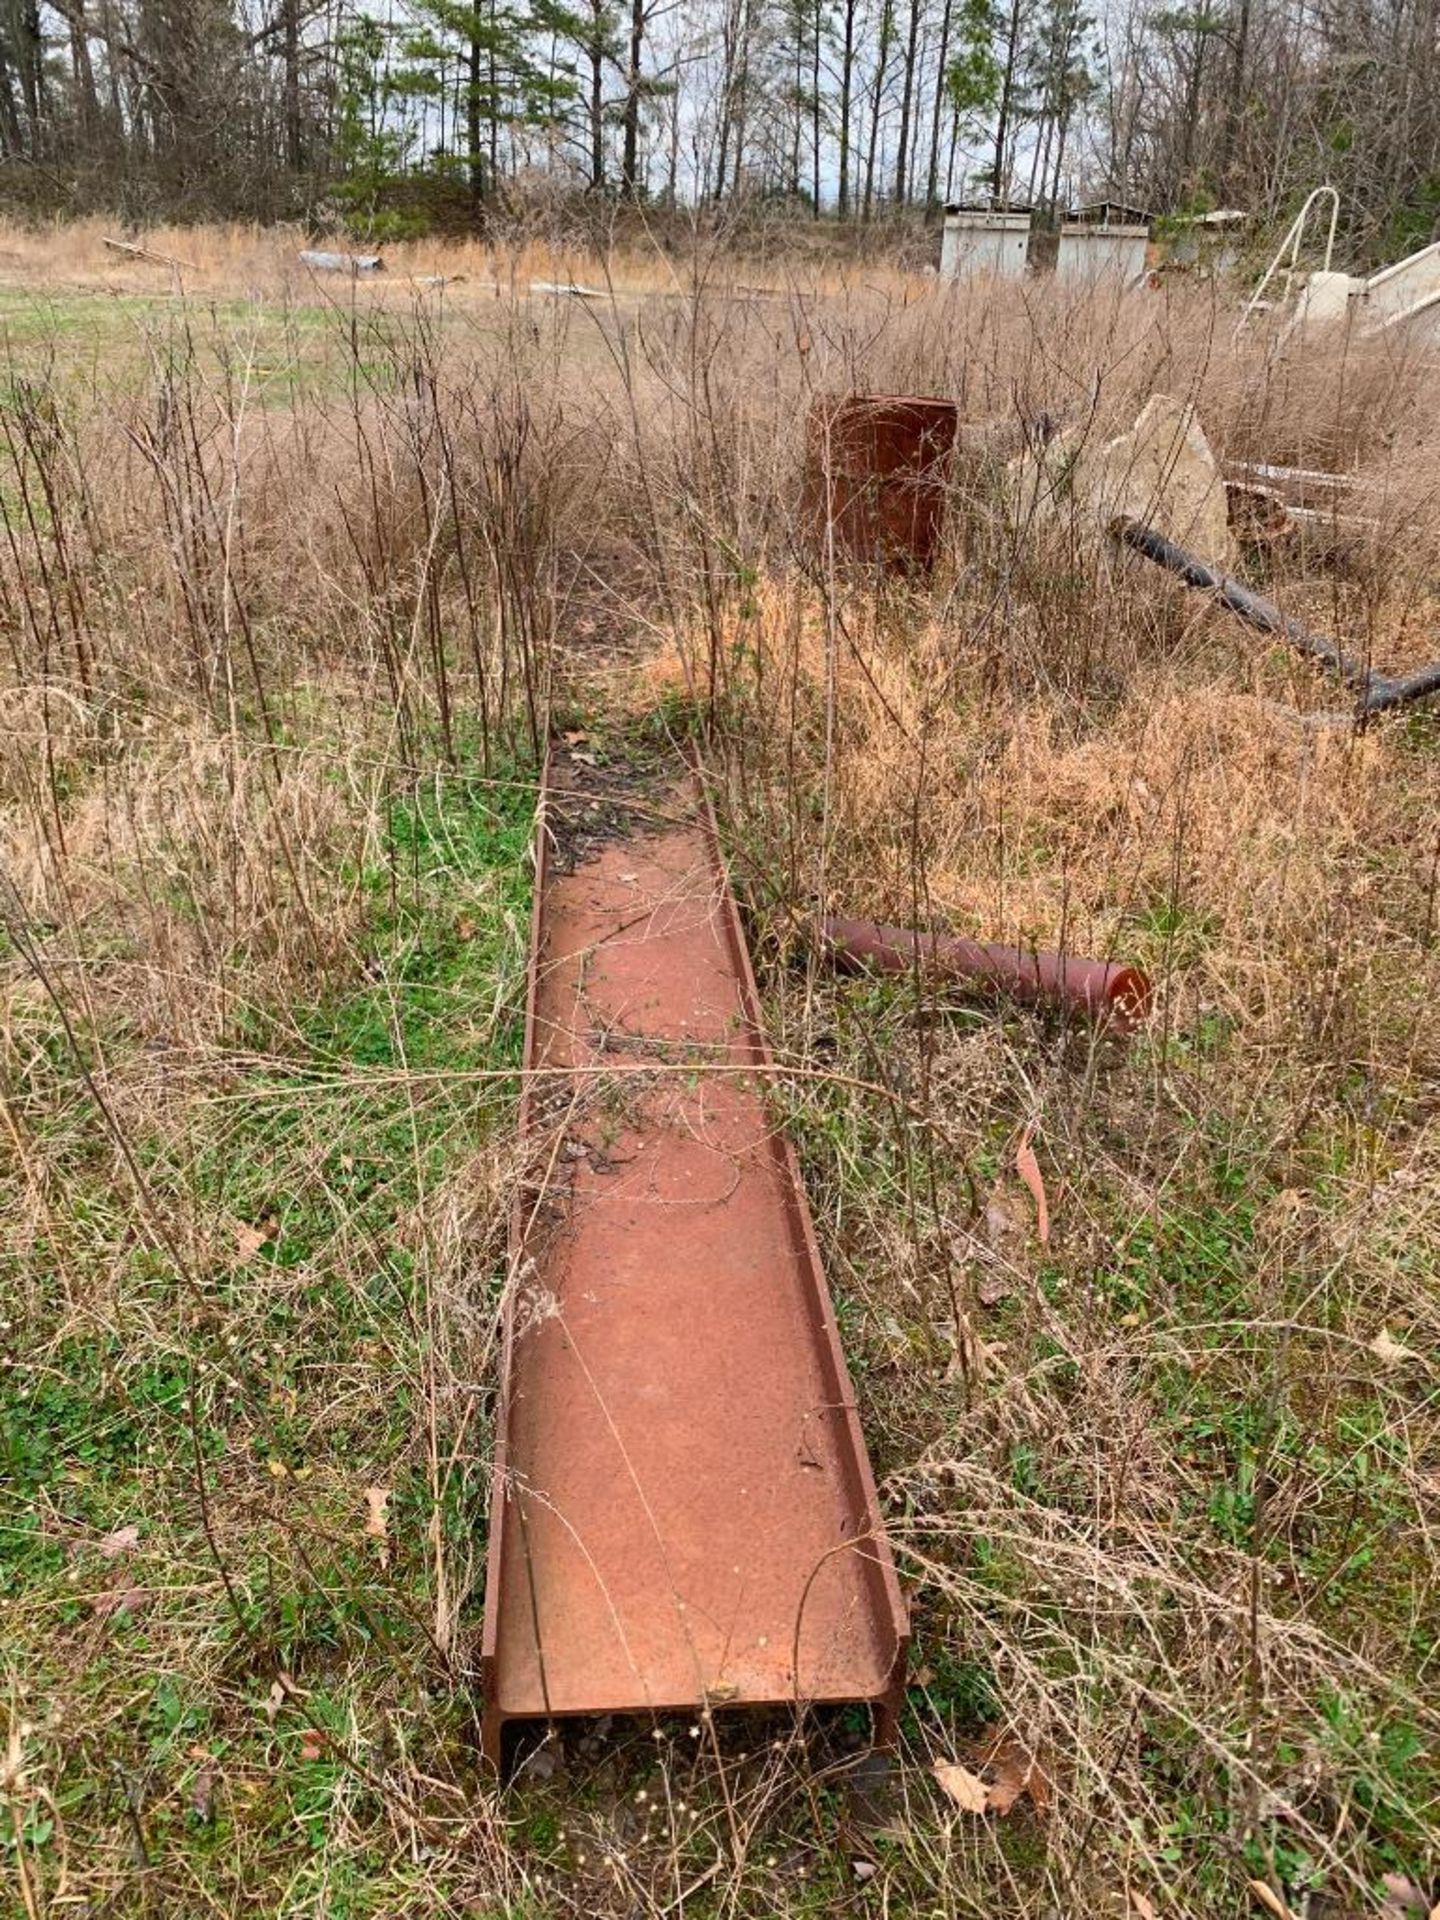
876 472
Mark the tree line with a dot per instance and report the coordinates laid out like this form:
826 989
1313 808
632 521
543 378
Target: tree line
392 113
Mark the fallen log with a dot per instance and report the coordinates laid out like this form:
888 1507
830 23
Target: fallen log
147 253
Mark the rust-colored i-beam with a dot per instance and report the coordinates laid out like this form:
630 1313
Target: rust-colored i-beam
683 1514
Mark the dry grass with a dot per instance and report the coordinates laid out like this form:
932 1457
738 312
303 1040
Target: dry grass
272 671
262 263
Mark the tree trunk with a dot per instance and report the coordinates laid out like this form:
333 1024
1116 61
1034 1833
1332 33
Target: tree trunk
31 58
907 101
114 108
630 155
742 92
672 158
597 105
472 107
11 141
87 105
1040 160
882 60
817 29
294 136
1007 94
1062 134
847 98
1192 110
493 105
797 131
932 178
1235 105
730 37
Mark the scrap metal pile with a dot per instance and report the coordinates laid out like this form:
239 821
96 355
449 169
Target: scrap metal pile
878 481
683 1513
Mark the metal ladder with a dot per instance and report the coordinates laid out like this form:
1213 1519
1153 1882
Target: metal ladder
1287 254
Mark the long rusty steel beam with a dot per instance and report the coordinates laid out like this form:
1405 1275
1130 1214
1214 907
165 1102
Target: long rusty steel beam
683 1513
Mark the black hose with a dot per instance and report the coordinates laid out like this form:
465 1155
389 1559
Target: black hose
1379 692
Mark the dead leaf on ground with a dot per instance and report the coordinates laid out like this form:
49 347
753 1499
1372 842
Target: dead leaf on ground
966 1789
1267 1897
202 1795
249 1240
1017 1773
122 1540
1143 1908
992 1289
116 1602
1403 1899
1389 1351
1028 1168
1003 1227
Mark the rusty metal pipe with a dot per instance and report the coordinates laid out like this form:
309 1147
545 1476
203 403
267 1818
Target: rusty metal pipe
1378 691
1102 989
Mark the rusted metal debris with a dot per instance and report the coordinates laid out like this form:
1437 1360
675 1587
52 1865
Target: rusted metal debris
1103 989
1310 500
1258 516
876 472
1378 692
683 1513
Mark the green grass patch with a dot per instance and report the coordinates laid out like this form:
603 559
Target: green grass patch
331 1183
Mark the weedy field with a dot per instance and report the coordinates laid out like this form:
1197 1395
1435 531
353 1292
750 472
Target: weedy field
292 588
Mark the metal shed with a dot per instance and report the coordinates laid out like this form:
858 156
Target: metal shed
984 239
1211 241
1104 241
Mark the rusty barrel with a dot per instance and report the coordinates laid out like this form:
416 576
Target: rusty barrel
876 467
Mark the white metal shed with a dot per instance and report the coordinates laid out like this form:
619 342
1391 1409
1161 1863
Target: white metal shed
1103 242
984 240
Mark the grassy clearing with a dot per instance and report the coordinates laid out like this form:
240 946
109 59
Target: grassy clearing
1163 1489
275 353
204 1667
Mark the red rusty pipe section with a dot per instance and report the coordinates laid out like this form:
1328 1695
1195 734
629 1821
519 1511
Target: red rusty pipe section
1106 991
